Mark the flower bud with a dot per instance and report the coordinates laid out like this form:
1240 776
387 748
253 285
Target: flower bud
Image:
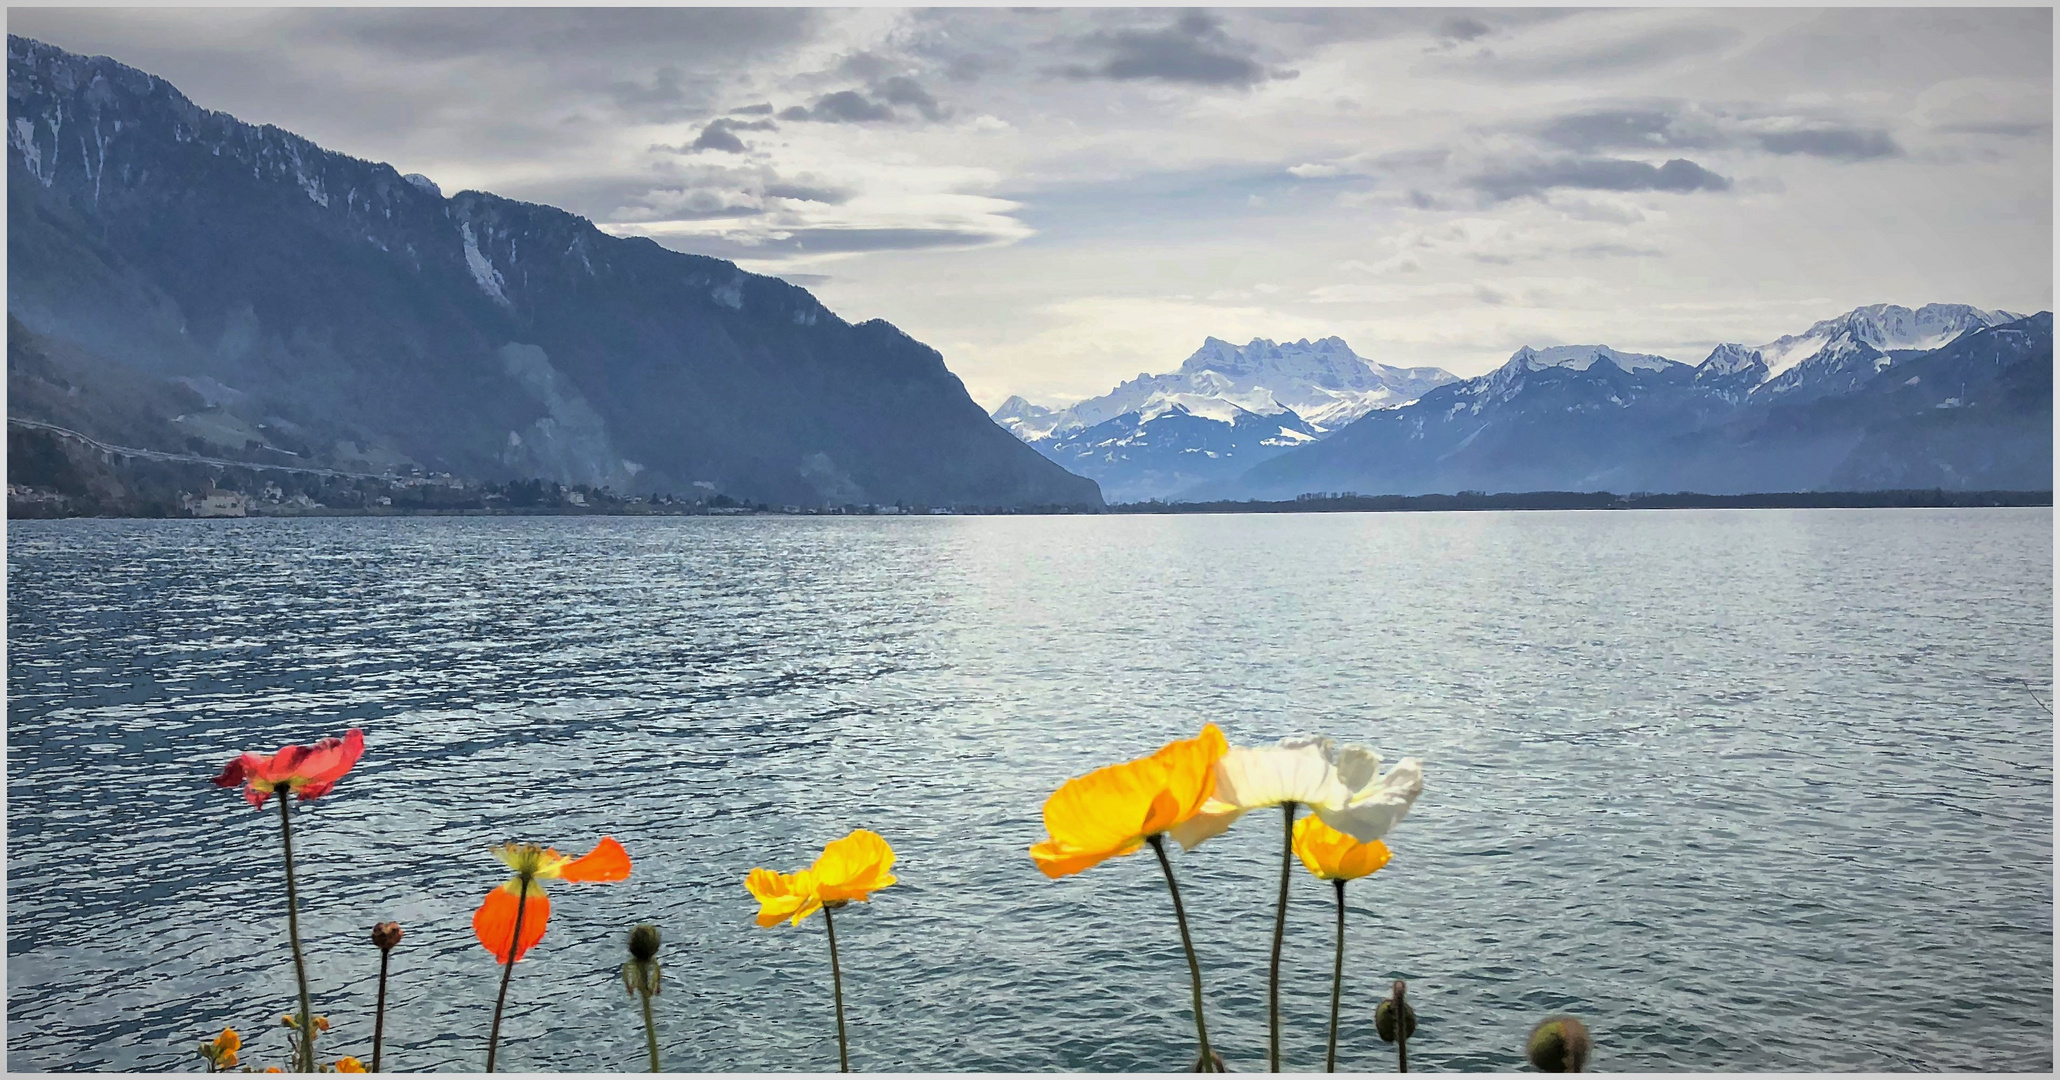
643 941
1384 1019
1559 1044
386 935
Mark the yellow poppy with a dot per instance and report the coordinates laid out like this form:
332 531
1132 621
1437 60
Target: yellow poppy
1334 856
1113 810
849 869
349 1064
783 895
853 868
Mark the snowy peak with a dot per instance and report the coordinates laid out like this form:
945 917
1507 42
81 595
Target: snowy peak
1884 327
1733 365
1024 420
1582 357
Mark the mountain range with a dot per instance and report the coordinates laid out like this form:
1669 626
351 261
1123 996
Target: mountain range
182 280
1225 409
1945 395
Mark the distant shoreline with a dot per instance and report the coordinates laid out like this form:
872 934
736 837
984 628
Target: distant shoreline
23 510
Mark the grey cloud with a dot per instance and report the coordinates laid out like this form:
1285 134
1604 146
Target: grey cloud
807 193
1194 49
854 107
1613 129
902 90
867 66
801 242
2017 130
445 34
1842 144
1462 28
1630 54
1598 174
1613 251
763 108
720 134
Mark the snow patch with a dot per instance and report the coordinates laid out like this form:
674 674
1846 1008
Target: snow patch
483 271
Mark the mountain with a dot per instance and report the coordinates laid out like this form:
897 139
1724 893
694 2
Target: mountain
1972 412
1225 408
1884 327
242 292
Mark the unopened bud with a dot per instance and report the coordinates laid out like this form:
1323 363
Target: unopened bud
386 935
1384 1020
643 941
1559 1044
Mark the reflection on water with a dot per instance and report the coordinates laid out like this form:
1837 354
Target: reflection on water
1742 789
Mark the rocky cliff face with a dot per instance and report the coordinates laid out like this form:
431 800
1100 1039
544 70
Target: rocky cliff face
329 309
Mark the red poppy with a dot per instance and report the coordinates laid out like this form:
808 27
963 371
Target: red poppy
307 771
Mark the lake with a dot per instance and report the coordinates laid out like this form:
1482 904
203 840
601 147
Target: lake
1746 790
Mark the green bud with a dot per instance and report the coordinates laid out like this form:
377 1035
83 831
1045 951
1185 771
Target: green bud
1559 1044
643 941
1384 1019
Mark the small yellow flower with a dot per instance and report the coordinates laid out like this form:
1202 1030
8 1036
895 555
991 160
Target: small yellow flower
1333 856
274 1068
221 1053
288 1020
783 895
321 1023
349 1064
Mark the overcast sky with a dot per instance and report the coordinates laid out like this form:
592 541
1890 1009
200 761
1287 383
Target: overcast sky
1059 199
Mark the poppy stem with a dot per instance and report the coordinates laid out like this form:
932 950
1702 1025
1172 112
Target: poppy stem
493 1037
837 987
1337 982
1279 932
650 1025
304 1054
1194 967
1401 1027
379 1010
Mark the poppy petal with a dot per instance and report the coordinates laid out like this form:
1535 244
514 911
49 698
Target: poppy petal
607 862
232 773
494 923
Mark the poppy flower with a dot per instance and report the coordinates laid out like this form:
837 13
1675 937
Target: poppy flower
306 771
1334 856
852 868
349 1065
783 896
1113 810
494 922
1343 787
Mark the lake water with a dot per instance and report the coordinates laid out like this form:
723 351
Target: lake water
1744 789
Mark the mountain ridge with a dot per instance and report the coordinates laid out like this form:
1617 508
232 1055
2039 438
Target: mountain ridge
366 319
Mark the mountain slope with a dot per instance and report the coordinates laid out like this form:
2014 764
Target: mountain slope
334 310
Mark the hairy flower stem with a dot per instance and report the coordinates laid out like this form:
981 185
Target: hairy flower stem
304 1054
1194 966
1401 1027
837 988
650 1026
1337 982
493 1038
1279 932
379 1010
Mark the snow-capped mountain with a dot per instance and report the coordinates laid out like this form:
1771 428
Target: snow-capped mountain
1884 327
1262 398
1972 412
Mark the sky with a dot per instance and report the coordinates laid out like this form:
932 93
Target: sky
1059 199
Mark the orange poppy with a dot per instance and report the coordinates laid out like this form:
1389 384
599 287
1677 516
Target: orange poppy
494 922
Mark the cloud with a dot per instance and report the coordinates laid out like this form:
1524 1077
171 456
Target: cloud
1841 144
763 108
1597 174
1460 28
807 193
1194 49
1655 126
720 134
1653 48
902 90
1314 172
823 241
875 105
